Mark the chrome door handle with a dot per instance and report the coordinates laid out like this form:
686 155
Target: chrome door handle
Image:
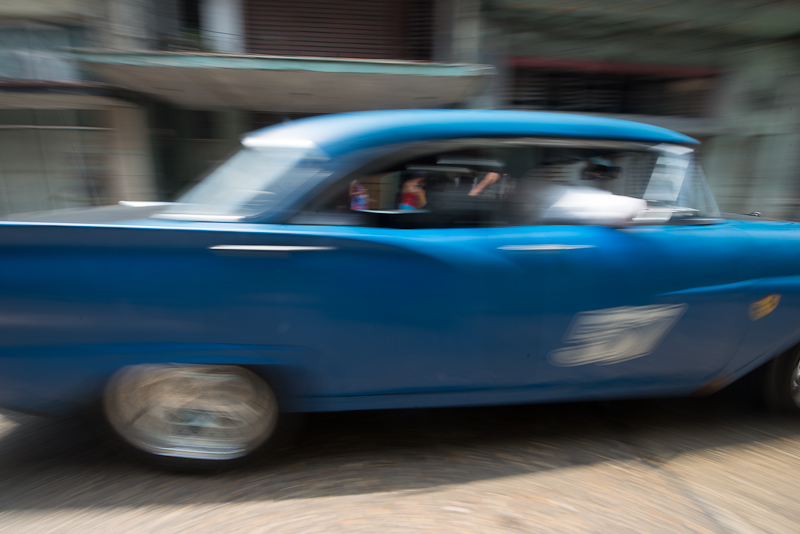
270 248
552 246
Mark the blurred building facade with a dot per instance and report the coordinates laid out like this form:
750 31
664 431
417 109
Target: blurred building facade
102 100
725 72
65 139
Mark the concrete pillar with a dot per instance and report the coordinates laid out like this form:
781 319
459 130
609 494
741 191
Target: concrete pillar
460 35
466 31
728 166
755 168
127 25
776 181
223 25
130 161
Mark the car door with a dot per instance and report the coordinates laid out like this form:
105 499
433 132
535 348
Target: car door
587 310
379 311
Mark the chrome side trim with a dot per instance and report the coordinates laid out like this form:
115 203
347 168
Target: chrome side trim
269 248
143 203
198 217
544 247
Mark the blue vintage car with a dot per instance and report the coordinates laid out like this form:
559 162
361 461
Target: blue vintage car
397 259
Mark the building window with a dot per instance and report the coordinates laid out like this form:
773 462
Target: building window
364 29
52 158
37 52
610 92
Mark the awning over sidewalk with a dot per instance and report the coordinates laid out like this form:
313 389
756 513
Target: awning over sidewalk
287 84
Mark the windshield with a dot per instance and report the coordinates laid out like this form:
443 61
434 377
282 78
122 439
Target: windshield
253 181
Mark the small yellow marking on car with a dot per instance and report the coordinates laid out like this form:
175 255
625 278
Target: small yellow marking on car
763 307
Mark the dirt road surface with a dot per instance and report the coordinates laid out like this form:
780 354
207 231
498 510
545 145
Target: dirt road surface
713 465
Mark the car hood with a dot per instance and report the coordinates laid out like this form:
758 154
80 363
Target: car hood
124 212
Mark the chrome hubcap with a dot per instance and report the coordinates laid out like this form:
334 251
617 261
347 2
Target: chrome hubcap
191 411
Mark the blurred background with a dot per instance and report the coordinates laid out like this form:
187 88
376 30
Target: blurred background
104 100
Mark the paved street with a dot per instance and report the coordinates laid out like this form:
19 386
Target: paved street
704 465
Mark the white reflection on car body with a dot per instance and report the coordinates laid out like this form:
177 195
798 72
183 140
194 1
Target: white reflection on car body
616 335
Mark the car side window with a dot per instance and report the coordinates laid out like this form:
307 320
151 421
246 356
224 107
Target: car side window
453 189
520 183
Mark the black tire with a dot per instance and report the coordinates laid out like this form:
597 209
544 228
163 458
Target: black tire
191 417
781 382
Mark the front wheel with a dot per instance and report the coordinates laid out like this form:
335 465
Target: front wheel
191 416
782 382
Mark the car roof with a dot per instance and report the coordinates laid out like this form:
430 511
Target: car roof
342 133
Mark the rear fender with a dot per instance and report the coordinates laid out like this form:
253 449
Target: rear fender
62 380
